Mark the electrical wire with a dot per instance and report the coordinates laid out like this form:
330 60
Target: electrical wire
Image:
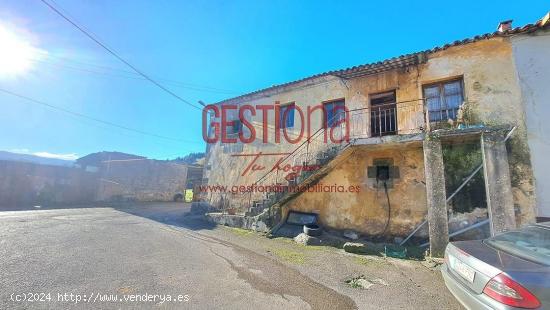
121 73
389 210
179 83
84 116
118 75
112 52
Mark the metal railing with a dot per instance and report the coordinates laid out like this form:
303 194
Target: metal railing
320 148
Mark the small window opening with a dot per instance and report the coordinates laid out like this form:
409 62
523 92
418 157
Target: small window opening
382 173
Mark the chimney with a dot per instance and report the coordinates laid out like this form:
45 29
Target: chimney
504 26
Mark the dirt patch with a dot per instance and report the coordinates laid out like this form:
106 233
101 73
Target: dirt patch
369 261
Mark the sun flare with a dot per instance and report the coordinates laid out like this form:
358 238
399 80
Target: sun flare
17 55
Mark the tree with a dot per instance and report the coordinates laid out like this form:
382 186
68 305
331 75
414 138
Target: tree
191 158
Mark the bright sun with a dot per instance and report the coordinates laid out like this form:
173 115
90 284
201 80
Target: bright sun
17 55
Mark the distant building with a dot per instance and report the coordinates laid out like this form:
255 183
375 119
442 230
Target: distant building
103 176
25 183
126 177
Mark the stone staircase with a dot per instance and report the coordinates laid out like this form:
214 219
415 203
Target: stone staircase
326 159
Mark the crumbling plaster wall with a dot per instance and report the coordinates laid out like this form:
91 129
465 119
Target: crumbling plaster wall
227 170
141 180
492 96
23 184
367 210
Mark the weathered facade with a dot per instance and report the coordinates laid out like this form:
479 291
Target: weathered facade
23 183
126 177
104 176
400 113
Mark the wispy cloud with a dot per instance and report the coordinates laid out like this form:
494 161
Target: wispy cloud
69 156
20 151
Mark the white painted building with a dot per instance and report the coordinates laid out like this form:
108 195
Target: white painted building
532 59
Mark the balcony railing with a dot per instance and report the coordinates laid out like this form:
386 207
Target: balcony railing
387 119
381 120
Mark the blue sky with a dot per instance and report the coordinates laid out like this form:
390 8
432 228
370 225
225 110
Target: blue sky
213 49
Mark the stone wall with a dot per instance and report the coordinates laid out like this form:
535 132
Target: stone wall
27 184
141 180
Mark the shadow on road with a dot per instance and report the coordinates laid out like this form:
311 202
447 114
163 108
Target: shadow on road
175 214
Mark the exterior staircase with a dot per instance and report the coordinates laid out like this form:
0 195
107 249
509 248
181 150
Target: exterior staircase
318 152
325 159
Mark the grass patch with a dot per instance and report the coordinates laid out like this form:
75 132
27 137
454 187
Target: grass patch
300 246
285 240
290 256
240 231
354 284
317 247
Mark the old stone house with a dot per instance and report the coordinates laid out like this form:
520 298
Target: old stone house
97 177
29 184
127 177
402 118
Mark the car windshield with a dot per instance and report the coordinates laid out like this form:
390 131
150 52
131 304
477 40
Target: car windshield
531 243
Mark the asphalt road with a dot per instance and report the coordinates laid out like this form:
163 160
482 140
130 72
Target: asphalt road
141 257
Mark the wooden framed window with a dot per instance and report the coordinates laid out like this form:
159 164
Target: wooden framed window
236 128
288 121
444 99
334 112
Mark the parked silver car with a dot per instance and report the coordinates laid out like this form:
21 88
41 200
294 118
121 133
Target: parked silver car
508 271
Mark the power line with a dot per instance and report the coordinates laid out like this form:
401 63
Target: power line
118 57
93 118
117 72
118 75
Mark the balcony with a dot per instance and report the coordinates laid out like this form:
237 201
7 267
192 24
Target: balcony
325 145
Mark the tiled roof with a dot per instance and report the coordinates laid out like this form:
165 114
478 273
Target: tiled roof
398 62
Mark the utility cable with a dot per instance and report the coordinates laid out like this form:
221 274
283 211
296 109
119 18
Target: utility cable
84 116
112 72
389 209
112 52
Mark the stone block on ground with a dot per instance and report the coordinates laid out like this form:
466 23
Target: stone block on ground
305 239
364 283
